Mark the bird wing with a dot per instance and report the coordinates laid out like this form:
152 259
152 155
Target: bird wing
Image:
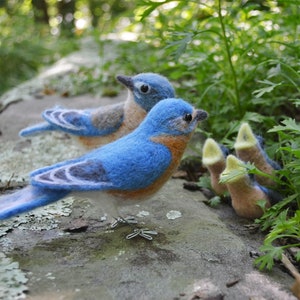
122 165
273 196
75 175
36 129
94 122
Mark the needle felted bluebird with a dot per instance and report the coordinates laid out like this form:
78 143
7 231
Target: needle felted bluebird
249 148
214 159
99 126
128 169
245 191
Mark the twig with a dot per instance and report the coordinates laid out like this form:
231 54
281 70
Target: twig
295 288
8 182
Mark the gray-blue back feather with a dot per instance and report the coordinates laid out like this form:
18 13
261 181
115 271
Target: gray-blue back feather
273 196
271 162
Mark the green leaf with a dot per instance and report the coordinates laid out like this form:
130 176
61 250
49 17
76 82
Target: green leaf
204 182
268 89
288 125
181 44
262 204
266 261
152 6
214 201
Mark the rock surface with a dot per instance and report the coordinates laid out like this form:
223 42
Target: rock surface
66 250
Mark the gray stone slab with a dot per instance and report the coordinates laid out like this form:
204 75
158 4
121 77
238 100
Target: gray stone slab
194 253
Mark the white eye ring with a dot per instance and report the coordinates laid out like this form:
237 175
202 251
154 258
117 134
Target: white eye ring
144 88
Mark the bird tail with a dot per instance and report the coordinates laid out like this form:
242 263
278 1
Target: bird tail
27 199
36 129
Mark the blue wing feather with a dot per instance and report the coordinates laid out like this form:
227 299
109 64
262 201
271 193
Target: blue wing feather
35 129
105 168
27 199
261 143
90 122
77 122
273 196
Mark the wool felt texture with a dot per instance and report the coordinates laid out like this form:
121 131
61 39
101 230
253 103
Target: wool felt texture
214 159
134 166
28 199
249 148
245 191
107 123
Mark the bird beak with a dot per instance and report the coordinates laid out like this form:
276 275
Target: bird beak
126 80
201 115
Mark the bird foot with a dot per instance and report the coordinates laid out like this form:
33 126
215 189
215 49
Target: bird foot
120 220
144 233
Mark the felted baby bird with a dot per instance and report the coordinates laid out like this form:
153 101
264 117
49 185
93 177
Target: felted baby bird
131 168
98 126
214 159
249 148
245 192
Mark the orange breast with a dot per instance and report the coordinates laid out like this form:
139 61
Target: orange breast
176 145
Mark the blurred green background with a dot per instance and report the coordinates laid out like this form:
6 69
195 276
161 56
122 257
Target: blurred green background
237 58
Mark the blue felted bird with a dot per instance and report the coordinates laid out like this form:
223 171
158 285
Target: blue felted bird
249 148
214 159
128 169
99 126
244 191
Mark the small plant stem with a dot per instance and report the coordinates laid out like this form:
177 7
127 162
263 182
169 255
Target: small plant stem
236 89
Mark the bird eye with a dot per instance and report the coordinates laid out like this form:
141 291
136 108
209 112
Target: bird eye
188 118
144 88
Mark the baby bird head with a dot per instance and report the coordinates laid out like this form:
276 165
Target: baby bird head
245 138
172 117
234 171
214 159
212 152
148 88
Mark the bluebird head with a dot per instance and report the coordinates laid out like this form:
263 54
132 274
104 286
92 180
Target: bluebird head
148 88
172 117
